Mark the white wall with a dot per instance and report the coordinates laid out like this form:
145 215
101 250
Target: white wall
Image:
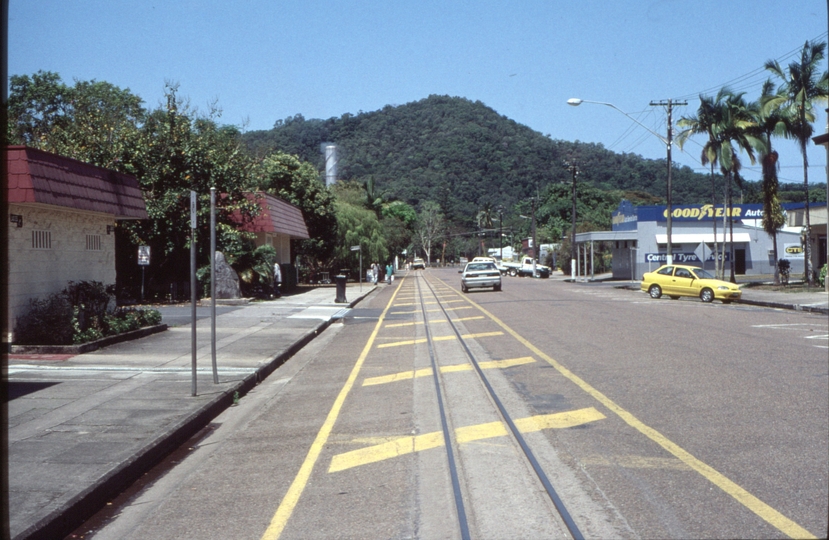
36 273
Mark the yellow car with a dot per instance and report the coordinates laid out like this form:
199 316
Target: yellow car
678 280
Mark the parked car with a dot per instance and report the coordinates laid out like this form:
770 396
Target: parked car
679 280
480 274
418 264
525 268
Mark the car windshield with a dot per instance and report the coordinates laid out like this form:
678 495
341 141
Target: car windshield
475 267
703 274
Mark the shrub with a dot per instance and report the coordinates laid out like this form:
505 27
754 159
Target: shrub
821 279
47 322
80 313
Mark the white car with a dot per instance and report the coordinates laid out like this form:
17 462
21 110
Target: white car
479 275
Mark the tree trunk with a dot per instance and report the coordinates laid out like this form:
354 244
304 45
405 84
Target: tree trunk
807 249
733 279
714 221
774 247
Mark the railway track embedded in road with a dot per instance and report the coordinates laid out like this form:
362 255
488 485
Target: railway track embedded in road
451 445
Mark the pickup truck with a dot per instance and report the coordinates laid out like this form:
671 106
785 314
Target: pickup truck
525 268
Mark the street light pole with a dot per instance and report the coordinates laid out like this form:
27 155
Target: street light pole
573 261
575 102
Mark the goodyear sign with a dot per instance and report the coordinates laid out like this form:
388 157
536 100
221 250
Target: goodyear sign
700 212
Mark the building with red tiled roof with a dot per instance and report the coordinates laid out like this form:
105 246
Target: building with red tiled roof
62 215
277 224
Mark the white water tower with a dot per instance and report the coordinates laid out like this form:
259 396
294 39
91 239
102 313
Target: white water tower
330 151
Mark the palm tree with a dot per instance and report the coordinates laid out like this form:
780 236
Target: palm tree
706 120
771 121
802 86
737 131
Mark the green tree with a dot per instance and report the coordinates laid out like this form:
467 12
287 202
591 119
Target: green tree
95 122
181 151
802 86
707 121
298 182
430 227
359 226
737 131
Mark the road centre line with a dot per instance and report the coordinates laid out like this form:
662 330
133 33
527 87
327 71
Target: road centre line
427 372
427 441
438 338
741 495
291 498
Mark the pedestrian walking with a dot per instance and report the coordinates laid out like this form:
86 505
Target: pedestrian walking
277 280
375 271
389 273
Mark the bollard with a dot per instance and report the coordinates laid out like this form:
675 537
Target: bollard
340 289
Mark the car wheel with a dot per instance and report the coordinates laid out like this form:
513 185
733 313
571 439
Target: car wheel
513 272
674 298
655 291
464 288
706 295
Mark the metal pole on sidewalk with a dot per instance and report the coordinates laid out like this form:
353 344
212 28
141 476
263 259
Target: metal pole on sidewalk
213 284
193 289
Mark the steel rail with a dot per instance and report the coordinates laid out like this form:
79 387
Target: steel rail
539 471
463 522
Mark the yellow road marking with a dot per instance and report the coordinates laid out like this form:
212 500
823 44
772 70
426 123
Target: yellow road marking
635 462
289 502
437 338
761 509
426 372
476 318
397 325
427 441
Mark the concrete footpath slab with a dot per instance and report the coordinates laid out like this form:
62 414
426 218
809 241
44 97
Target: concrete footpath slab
83 428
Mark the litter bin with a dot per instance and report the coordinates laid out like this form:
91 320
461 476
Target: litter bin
340 289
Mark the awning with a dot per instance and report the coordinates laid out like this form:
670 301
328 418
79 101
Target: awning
698 238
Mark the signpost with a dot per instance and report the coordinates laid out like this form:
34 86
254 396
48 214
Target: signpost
357 248
193 223
143 261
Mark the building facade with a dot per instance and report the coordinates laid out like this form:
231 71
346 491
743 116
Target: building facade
698 233
62 215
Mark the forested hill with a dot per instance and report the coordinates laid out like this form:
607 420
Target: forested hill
463 155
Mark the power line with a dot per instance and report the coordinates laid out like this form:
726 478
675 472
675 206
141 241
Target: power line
752 79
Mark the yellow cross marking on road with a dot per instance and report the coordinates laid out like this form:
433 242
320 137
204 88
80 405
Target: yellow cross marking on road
438 338
417 443
397 325
426 372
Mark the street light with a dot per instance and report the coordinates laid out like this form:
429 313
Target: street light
575 102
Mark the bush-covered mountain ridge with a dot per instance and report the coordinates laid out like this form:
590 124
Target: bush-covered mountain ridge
464 155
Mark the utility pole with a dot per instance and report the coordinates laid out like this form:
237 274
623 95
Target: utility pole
669 104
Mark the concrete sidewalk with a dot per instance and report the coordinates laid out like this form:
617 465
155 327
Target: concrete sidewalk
84 428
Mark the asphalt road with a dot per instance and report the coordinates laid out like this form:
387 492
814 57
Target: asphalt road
711 421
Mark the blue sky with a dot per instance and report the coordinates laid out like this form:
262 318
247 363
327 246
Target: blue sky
267 60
